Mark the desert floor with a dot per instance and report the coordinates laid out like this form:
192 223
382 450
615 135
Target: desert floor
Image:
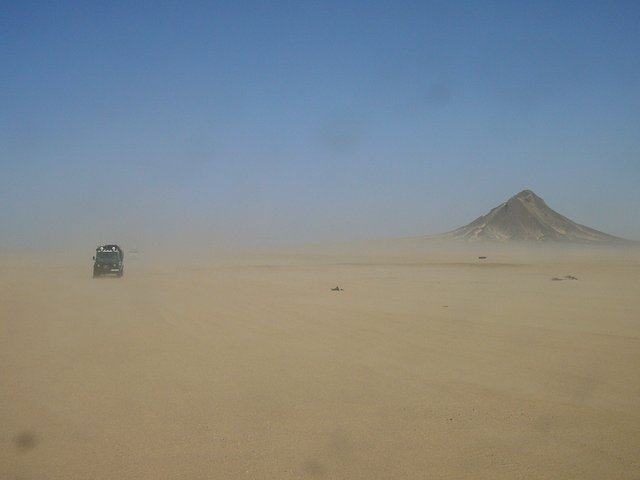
426 366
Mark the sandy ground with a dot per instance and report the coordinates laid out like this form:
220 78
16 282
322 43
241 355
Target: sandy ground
432 366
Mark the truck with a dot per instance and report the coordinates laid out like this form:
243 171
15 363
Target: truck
108 260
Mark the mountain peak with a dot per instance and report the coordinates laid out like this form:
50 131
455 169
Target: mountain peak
526 195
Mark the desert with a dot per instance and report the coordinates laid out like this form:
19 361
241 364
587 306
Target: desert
335 240
432 364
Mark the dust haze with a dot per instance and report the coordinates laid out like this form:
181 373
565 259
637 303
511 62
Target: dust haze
432 360
326 274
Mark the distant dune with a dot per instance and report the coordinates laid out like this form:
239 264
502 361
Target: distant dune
525 217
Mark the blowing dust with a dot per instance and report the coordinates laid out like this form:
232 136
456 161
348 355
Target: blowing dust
435 363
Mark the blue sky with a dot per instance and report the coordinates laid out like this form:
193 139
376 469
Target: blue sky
262 123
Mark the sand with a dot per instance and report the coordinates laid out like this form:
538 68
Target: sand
426 366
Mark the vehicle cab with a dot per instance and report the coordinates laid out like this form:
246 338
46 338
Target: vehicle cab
108 260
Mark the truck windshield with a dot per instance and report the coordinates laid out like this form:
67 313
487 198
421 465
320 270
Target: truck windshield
107 256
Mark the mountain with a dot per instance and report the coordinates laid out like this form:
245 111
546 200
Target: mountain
526 217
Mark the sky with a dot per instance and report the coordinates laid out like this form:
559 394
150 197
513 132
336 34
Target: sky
259 123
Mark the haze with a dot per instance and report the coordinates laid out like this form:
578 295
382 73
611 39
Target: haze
273 172
258 125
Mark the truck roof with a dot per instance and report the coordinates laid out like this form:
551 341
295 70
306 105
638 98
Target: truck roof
109 248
